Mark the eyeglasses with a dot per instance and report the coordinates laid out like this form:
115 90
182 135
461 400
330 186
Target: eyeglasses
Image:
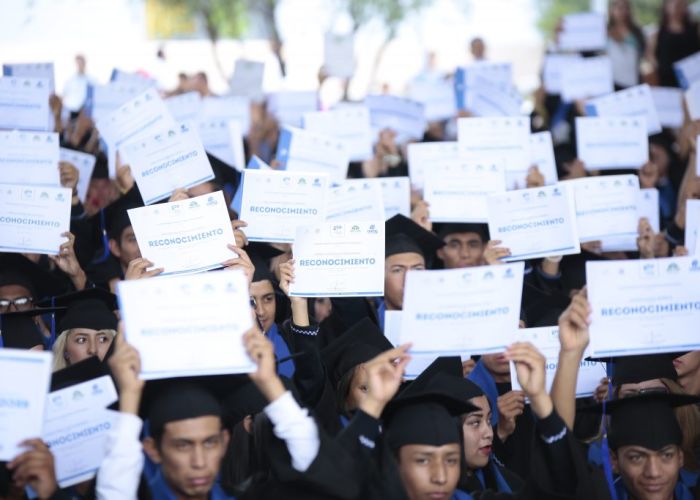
19 302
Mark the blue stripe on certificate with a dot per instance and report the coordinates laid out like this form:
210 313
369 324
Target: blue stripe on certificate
77 474
339 294
545 251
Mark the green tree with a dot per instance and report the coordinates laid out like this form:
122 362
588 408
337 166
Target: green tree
266 11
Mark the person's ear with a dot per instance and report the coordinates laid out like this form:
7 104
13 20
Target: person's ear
248 423
151 449
114 248
441 253
614 462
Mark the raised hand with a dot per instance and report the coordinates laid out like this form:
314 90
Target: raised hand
138 269
510 406
242 262
530 369
534 177
383 374
493 253
261 350
241 238
646 240
573 325
125 365
35 468
421 215
67 261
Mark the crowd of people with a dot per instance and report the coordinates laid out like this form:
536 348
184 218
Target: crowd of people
327 412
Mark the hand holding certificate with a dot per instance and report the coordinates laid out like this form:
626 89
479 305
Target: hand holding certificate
85 163
24 382
542 157
644 306
188 325
534 223
612 142
404 116
186 236
339 259
458 311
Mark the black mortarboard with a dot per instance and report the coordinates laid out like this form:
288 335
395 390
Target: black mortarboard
223 172
542 307
636 369
446 229
258 256
116 215
101 170
246 400
360 343
19 330
87 369
647 420
403 236
444 364
16 269
91 308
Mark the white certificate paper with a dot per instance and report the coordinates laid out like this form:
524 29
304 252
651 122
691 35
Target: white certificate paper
24 103
227 108
504 140
274 203
25 377
648 206
223 139
688 70
644 306
166 160
289 107
606 210
85 163
185 236
541 156
355 200
247 79
299 150
32 70
555 65
404 116
458 192
339 259
339 55
692 100
546 340
587 77
32 218
101 100
582 31
669 106
397 196
633 101
350 124
458 311
692 225
29 158
612 142
534 223
188 325
423 155
185 107
437 97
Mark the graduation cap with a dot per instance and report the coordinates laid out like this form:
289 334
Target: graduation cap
445 376
223 172
19 330
448 228
246 400
542 307
636 369
92 308
87 369
573 269
360 343
16 269
647 420
116 216
260 255
404 236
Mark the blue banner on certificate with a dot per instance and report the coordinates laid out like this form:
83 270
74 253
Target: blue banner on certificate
188 325
688 70
339 259
499 74
24 104
457 311
546 340
29 158
101 100
612 142
167 160
187 236
348 123
24 382
355 200
274 203
32 218
85 163
404 116
632 102
299 150
423 155
644 306
587 77
534 223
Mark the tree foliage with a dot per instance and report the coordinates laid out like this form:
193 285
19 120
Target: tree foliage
390 13
220 18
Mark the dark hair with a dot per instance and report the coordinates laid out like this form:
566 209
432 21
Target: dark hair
238 462
343 390
687 21
634 28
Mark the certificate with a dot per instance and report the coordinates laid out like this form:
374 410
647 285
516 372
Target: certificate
76 428
423 155
534 223
496 73
185 107
546 340
504 140
458 311
606 211
339 259
188 236
669 106
350 124
223 139
437 97
587 77
458 192
29 158
132 78
692 226
227 108
486 97
274 203
688 70
25 377
404 116
583 31
644 306
166 160
141 116
85 163
397 196
339 55
634 101
289 107
32 70
32 218
247 79
612 142
648 206
188 325
101 100
555 65
299 150
24 103
356 200
419 362
692 100
541 156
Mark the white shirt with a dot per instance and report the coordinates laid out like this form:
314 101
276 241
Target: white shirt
120 472
75 92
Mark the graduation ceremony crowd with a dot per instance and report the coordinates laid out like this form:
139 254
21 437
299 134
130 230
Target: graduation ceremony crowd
327 412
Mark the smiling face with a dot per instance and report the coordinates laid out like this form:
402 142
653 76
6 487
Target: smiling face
478 434
429 472
648 474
